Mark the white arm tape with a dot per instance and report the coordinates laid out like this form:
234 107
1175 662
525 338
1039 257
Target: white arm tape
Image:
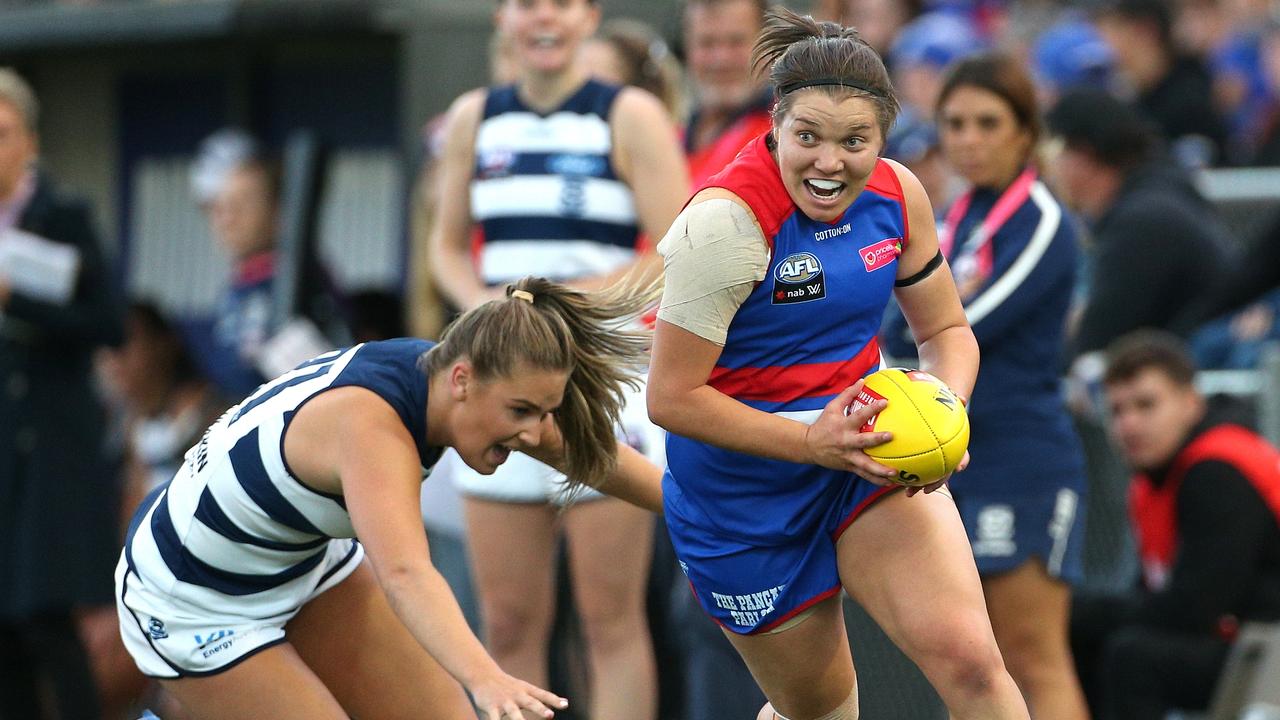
714 254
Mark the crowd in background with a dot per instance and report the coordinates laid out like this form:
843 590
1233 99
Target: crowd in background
101 398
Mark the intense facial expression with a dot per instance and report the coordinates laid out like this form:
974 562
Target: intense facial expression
1151 416
827 148
546 34
498 415
17 149
718 39
243 213
981 137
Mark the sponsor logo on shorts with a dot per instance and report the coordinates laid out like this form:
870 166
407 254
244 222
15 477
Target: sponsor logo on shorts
798 278
878 255
214 642
155 628
748 610
995 532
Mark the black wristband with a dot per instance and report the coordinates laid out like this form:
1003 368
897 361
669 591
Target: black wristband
925 272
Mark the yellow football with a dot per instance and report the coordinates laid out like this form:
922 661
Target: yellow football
929 424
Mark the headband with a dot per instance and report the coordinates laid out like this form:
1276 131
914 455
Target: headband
824 81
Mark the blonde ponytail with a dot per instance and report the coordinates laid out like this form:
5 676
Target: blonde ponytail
549 326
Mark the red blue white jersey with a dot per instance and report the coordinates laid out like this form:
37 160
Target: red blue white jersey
804 334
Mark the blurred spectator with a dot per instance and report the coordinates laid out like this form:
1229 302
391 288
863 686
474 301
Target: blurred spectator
629 52
731 107
1237 342
1241 91
877 21
1201 26
1158 247
913 141
1013 251
166 404
564 173
57 505
1070 55
1268 150
426 309
376 315
922 51
1205 506
249 343
1170 88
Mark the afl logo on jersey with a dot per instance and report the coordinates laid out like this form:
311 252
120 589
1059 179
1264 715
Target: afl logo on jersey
798 278
495 163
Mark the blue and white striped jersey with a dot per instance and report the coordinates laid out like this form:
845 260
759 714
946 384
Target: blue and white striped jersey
545 191
234 528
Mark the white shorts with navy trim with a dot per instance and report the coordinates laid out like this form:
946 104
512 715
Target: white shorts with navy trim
171 639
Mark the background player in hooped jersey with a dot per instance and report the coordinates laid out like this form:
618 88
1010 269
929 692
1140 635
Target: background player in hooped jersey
777 276
1013 252
240 585
563 174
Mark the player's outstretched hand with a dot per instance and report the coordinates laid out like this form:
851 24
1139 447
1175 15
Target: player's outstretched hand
926 489
836 439
503 697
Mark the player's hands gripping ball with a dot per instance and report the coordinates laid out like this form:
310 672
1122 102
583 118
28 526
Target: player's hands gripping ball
929 423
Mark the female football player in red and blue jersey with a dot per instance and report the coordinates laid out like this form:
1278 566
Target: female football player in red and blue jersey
778 272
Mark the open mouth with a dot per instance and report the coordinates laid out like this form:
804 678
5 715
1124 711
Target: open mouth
823 189
498 454
543 42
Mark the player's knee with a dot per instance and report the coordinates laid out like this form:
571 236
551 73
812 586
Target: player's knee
602 629
963 656
1035 658
508 628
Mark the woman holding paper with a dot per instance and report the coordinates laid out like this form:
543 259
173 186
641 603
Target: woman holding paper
55 500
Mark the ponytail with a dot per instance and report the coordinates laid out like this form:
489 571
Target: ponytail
548 326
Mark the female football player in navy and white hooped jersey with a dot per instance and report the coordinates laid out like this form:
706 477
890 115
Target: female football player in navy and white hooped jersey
778 273
1013 250
241 586
562 174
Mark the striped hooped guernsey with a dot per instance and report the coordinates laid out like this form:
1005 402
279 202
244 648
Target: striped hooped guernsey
234 531
804 334
545 191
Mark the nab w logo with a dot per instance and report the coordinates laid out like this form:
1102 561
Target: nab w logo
798 278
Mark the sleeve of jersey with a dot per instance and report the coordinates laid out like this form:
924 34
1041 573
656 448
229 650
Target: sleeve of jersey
713 255
1028 267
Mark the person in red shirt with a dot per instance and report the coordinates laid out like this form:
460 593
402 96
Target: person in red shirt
1205 507
732 108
